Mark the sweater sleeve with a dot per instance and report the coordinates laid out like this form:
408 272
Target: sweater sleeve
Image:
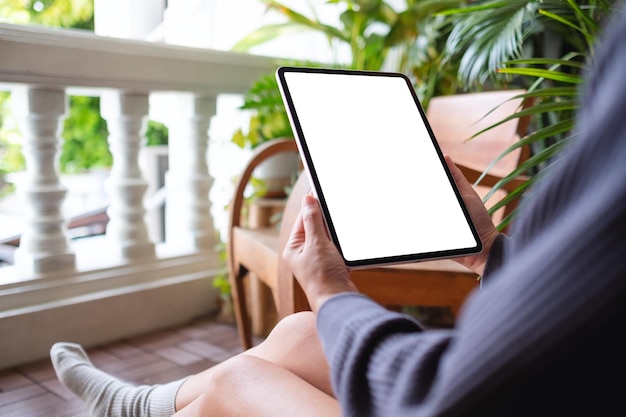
405 359
495 259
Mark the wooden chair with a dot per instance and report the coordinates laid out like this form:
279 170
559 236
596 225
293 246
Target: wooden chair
441 283
252 250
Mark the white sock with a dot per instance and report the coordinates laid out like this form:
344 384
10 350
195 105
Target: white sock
106 395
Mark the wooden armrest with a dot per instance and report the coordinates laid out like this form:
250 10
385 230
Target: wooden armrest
260 154
253 248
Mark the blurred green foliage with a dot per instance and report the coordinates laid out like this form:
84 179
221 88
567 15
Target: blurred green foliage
84 137
156 134
11 159
58 13
269 120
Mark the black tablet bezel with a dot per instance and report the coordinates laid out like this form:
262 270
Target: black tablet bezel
301 140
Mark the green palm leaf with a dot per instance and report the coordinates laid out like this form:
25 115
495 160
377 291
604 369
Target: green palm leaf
370 28
484 36
552 83
267 33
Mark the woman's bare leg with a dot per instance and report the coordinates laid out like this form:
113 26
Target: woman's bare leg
281 376
291 352
247 385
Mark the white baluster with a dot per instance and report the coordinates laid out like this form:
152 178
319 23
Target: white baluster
127 233
44 246
189 224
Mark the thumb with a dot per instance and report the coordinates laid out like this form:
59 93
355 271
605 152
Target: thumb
312 218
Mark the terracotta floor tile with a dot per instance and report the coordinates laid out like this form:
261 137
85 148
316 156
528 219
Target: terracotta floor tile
178 356
102 358
178 372
10 379
36 406
38 371
55 387
32 390
157 341
137 361
207 350
73 408
20 395
138 373
123 350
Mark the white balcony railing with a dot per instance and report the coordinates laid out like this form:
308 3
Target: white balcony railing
124 283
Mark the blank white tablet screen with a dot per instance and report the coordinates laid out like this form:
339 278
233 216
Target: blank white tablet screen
380 176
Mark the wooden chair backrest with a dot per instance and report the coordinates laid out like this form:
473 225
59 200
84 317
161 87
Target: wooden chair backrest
455 118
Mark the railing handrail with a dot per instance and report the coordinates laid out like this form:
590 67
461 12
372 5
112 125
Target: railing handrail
77 58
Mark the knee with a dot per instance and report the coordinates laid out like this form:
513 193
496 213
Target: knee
299 320
227 381
298 326
229 373
291 334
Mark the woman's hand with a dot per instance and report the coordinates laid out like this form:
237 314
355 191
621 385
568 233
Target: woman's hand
314 259
319 268
485 227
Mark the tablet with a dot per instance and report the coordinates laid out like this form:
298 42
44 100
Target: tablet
382 183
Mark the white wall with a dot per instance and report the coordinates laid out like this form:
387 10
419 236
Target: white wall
220 24
127 19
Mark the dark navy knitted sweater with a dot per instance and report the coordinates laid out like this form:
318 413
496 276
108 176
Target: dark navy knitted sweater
544 336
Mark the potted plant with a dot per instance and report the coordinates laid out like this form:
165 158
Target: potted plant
268 120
